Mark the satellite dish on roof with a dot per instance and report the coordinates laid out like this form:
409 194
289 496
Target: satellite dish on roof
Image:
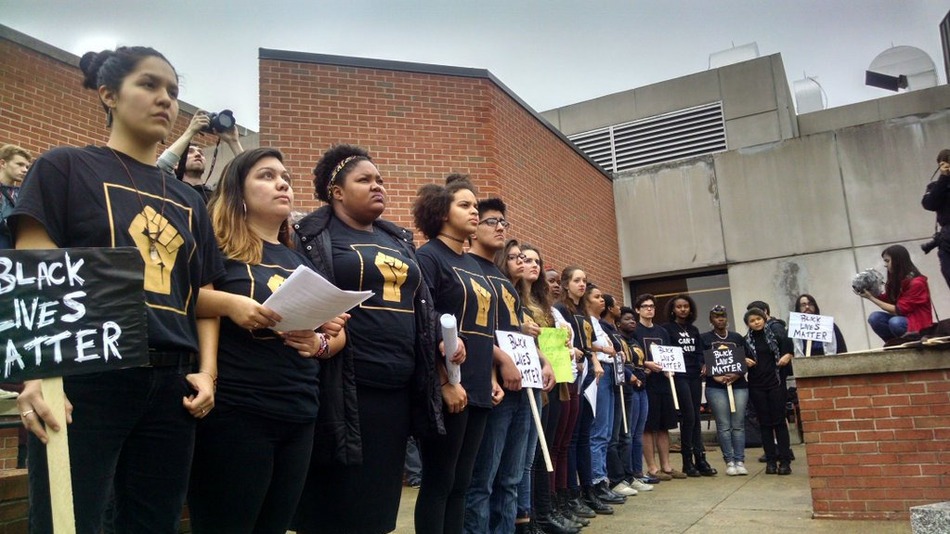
809 95
736 54
908 61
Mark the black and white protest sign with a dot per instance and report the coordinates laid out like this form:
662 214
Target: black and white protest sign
725 359
522 350
670 358
813 327
71 311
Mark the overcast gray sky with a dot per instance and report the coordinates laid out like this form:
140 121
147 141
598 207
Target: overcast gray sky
551 53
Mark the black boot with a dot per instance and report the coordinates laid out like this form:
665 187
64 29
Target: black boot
688 466
562 511
770 467
577 506
703 466
554 523
784 468
595 504
606 496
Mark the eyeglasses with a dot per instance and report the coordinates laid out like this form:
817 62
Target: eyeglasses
647 306
513 257
494 222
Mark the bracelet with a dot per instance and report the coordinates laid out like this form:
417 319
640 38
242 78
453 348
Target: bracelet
214 379
324 348
444 383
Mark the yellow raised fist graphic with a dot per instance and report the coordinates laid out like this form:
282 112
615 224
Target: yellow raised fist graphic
158 242
394 272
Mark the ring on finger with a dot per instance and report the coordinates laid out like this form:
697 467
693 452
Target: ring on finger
26 413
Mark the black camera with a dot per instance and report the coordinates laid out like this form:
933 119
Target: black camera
932 244
220 122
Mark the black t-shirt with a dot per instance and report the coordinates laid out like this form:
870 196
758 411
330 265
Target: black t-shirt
687 338
733 340
638 356
381 332
459 288
257 372
647 336
508 310
84 198
583 329
764 374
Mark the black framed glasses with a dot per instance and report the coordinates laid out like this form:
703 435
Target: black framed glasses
495 222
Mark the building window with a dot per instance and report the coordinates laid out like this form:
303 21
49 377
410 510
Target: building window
685 133
708 289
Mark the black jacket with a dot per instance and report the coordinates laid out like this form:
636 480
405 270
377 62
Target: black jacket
937 198
337 438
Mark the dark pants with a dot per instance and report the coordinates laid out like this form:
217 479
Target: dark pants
617 450
362 498
563 439
581 446
447 463
944 257
248 472
770 408
689 392
131 432
544 481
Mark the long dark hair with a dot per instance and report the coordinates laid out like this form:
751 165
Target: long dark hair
566 275
109 67
901 269
811 300
537 295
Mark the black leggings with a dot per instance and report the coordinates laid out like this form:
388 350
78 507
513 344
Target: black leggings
689 393
543 481
447 463
248 472
581 446
770 408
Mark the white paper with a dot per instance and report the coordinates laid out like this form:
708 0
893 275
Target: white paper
591 394
306 300
670 358
450 344
813 327
520 348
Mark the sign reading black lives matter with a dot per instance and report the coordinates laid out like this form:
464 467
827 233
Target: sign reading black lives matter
71 311
725 359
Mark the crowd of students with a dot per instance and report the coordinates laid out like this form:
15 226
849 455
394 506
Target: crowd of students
308 429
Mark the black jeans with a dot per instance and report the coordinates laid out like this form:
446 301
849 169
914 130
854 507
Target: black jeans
689 393
616 449
944 257
770 408
131 432
447 463
248 472
543 484
581 446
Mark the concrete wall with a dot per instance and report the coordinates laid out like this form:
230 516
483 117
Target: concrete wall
755 98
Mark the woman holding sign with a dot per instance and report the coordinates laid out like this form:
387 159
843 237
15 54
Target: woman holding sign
447 215
252 451
765 354
383 385
730 425
134 428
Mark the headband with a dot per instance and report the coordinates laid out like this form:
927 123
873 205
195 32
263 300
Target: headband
337 169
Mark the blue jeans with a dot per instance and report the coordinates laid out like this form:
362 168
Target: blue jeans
887 326
531 448
413 464
729 426
130 432
492 497
638 409
602 427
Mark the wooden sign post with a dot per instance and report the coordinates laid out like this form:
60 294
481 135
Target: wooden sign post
521 349
69 312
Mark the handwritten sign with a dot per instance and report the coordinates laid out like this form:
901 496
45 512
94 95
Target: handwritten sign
553 342
618 369
521 349
725 359
813 327
71 311
670 358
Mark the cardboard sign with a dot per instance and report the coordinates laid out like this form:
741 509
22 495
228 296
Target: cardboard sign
813 327
670 358
553 343
618 369
521 349
71 311
725 359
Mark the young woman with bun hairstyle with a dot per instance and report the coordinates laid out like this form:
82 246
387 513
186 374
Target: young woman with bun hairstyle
134 428
447 215
383 385
252 451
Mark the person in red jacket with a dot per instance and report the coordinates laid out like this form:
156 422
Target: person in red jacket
906 299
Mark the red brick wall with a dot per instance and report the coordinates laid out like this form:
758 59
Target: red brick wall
8 448
13 502
421 127
43 104
877 444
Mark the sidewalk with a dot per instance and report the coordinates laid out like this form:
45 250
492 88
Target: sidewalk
754 504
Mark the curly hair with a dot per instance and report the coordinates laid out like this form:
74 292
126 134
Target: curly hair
326 168
433 202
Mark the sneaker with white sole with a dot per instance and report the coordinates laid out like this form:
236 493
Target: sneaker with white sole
740 469
623 489
731 469
639 485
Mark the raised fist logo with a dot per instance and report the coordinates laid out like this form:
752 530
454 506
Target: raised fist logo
394 272
158 242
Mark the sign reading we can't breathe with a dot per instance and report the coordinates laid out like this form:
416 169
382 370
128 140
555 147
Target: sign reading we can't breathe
71 311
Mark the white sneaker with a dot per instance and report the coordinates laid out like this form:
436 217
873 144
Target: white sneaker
731 469
640 485
623 489
740 468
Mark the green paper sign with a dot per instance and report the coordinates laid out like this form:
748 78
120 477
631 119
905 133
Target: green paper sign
553 344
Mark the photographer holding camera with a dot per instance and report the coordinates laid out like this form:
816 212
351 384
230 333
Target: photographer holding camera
221 124
937 198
